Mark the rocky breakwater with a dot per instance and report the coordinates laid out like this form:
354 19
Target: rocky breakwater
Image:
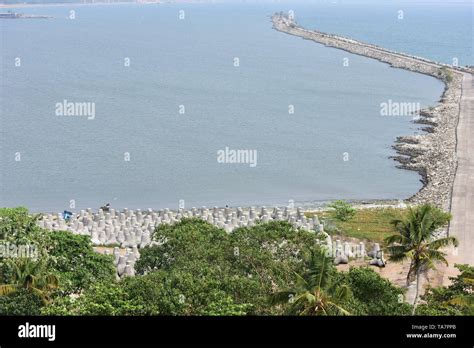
432 154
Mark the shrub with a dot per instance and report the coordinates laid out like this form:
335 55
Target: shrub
343 211
77 264
21 302
376 295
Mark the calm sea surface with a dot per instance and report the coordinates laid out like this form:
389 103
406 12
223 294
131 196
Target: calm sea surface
139 151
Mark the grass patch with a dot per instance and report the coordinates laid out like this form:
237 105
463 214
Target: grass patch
372 224
446 74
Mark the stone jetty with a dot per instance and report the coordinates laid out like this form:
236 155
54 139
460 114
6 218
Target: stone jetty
432 154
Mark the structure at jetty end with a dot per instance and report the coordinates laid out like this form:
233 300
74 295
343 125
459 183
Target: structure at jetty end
432 154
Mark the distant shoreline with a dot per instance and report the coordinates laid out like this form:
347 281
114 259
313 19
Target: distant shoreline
64 4
149 2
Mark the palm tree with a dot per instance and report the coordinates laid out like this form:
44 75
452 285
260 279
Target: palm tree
33 276
316 293
415 241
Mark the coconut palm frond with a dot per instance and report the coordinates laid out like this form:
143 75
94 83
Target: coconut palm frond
396 222
395 239
398 252
443 242
469 281
434 256
41 294
314 291
7 289
337 309
52 281
47 282
282 297
300 282
462 301
308 297
319 269
341 293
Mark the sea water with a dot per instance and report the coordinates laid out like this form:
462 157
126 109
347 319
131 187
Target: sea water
171 92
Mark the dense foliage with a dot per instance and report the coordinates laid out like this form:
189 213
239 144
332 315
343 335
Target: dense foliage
76 263
375 295
21 302
60 263
195 268
99 299
456 299
203 264
316 291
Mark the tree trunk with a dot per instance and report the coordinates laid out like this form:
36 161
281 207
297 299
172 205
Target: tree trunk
415 302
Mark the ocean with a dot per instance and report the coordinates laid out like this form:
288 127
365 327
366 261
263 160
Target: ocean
174 85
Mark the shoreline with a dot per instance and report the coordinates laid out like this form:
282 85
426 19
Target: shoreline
308 206
431 154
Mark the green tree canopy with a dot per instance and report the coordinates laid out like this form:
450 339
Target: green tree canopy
244 266
455 299
21 302
374 295
100 299
78 266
